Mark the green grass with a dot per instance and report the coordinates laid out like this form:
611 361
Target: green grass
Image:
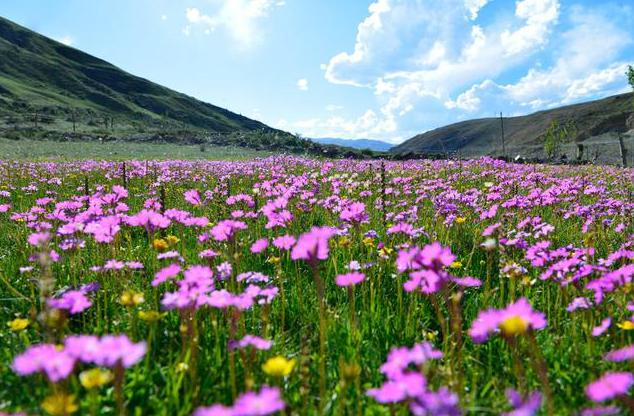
25 149
172 381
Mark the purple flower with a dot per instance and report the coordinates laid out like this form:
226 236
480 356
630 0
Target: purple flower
623 354
284 242
267 401
602 327
224 230
73 301
214 410
516 318
253 341
313 245
193 197
354 213
259 245
349 279
56 363
107 351
521 407
166 273
609 386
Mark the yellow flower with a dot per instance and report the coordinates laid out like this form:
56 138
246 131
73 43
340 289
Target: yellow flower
95 378
273 260
513 325
385 252
278 366
130 298
150 316
368 242
172 240
60 404
461 220
159 244
456 265
182 367
18 324
626 325
344 242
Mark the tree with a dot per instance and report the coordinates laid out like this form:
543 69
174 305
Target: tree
630 75
556 135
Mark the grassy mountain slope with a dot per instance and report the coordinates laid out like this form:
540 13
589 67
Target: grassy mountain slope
51 91
525 134
42 72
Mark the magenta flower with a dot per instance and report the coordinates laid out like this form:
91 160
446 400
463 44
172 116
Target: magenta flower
602 327
516 318
528 407
44 358
73 301
354 213
313 245
259 245
214 410
623 354
253 341
609 386
193 197
284 242
225 230
349 279
166 273
265 402
150 220
38 239
107 351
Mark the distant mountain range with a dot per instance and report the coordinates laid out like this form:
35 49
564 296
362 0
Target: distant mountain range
361 144
593 123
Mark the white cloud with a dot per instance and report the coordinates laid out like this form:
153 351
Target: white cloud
238 17
474 7
586 67
302 84
539 15
164 17
66 40
186 30
424 57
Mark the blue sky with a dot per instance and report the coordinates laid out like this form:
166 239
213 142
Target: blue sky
380 69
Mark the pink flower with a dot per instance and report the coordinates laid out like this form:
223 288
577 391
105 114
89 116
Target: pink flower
267 401
609 386
38 239
224 230
166 273
193 197
623 354
45 358
253 341
602 327
518 316
313 245
284 242
73 301
259 245
354 213
349 279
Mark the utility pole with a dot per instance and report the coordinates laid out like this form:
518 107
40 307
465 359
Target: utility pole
503 144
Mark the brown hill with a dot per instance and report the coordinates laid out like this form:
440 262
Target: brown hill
597 124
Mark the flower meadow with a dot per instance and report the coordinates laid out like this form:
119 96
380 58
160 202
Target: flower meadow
295 286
